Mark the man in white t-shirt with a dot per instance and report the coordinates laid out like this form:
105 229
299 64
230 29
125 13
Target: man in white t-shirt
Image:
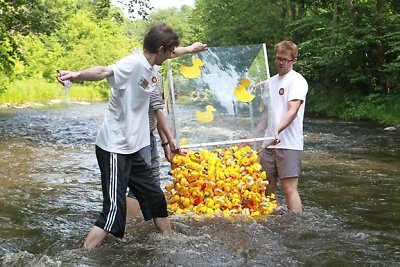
123 141
282 158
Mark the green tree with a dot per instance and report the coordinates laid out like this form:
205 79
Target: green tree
239 21
21 17
136 8
86 42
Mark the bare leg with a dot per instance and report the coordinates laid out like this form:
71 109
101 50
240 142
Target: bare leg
94 237
164 225
292 196
271 186
132 208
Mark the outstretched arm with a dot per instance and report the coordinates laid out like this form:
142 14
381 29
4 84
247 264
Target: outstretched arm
194 48
91 74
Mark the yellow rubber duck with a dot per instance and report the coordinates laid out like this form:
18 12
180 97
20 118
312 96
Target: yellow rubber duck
241 92
231 191
207 115
192 72
174 199
169 186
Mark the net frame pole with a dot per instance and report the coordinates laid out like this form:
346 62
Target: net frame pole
240 141
172 97
266 61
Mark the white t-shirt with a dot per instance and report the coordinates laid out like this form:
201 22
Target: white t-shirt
283 89
125 129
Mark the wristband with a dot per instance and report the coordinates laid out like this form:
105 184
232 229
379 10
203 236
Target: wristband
164 144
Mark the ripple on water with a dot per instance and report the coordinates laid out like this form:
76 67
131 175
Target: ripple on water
50 195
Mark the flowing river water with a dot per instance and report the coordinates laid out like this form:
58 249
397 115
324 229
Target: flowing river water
50 196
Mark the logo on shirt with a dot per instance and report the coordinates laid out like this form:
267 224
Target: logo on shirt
281 91
143 83
154 79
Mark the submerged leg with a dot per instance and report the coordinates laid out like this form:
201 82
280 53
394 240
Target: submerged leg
164 225
94 237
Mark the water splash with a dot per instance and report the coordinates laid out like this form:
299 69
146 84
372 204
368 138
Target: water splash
50 196
67 89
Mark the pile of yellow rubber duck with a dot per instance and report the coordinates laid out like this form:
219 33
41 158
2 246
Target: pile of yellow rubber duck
226 182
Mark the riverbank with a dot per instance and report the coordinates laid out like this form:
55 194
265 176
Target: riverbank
36 105
376 107
380 108
38 93
61 103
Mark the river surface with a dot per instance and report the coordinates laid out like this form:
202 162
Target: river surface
50 196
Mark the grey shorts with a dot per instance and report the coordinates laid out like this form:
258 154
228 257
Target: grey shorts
281 163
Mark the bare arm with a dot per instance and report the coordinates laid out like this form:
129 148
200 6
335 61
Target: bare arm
163 124
91 74
291 114
263 120
165 132
194 48
164 143
262 124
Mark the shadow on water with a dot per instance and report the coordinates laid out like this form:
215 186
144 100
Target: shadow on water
50 196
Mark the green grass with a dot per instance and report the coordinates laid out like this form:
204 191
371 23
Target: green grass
41 91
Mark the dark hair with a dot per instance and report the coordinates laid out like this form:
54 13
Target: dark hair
160 35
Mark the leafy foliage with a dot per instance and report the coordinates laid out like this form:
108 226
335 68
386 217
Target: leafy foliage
238 21
21 17
82 39
136 8
349 51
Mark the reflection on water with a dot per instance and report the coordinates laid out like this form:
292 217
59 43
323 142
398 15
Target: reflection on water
50 196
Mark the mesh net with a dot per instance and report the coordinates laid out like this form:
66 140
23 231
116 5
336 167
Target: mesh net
215 97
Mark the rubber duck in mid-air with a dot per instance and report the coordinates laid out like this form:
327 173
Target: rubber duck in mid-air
241 92
192 72
207 115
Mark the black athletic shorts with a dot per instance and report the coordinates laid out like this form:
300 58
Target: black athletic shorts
120 171
155 164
